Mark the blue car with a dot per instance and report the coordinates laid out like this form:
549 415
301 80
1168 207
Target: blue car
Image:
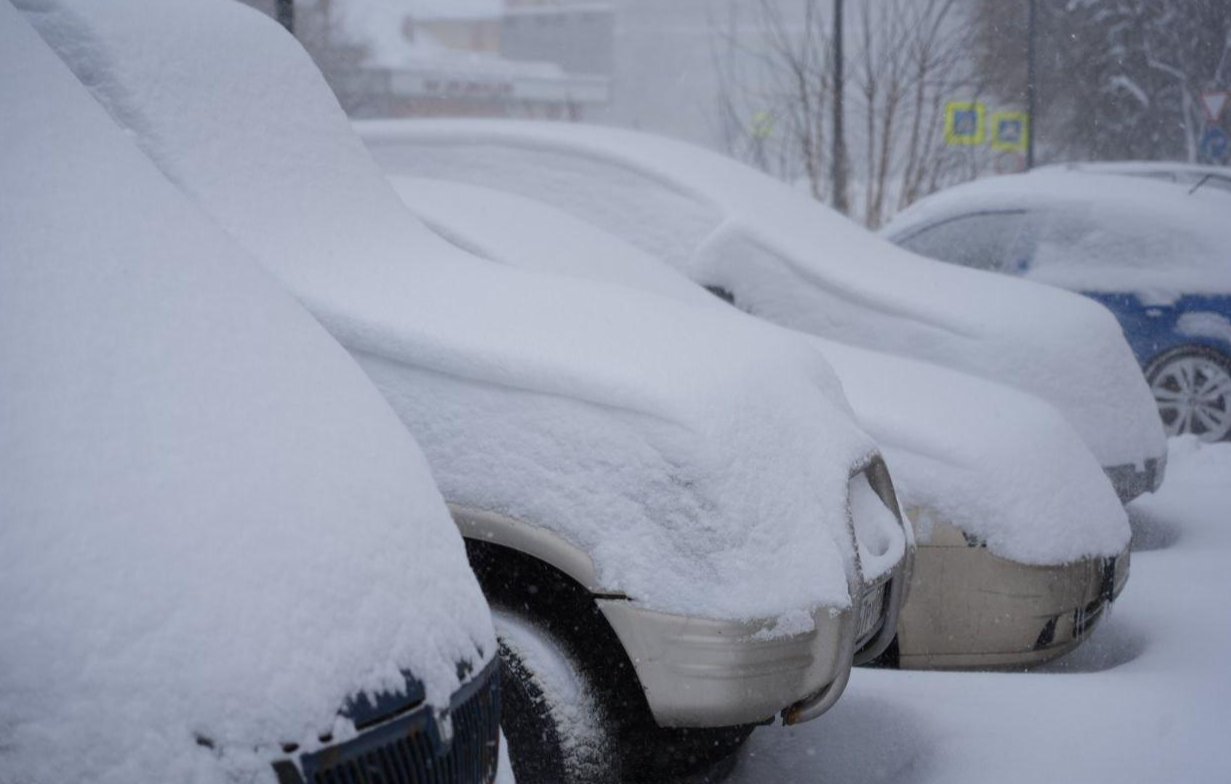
1156 254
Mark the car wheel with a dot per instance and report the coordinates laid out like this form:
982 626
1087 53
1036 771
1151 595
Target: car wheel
1192 387
556 730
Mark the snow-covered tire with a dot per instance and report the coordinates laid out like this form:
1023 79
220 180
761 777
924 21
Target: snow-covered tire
1192 386
556 730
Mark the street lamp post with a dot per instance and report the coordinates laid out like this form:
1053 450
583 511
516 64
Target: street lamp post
1031 76
838 170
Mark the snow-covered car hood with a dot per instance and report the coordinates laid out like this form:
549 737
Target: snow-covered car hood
213 524
703 466
1100 232
793 261
1002 466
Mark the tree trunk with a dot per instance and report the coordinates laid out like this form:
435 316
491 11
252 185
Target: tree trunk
841 203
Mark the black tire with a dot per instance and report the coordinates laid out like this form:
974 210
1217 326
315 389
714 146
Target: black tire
1178 377
556 730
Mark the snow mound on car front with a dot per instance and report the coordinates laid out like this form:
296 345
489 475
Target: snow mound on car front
213 525
1003 467
701 465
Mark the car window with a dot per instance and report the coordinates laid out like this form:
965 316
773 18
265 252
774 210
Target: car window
984 240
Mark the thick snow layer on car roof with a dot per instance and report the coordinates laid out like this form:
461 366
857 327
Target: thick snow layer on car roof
702 466
213 525
798 263
1000 465
1101 232
1193 176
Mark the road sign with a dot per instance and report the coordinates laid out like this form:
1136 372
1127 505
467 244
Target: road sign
1010 131
964 122
762 125
1009 163
1216 145
1214 102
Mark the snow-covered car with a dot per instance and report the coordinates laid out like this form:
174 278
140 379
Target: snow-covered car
1156 254
783 256
1003 490
1192 176
222 558
691 532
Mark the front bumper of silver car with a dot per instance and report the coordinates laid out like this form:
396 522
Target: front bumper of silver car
970 609
699 672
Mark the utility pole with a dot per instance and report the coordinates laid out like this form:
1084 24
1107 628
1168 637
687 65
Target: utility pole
838 166
286 14
1031 81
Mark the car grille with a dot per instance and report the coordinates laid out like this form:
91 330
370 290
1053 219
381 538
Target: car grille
871 613
1086 617
412 749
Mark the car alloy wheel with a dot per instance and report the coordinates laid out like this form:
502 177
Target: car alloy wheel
1193 390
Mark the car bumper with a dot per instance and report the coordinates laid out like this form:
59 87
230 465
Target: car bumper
971 609
1131 481
698 672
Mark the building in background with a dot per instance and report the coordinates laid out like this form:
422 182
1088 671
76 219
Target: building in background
547 59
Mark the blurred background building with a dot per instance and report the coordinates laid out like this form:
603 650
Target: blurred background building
472 58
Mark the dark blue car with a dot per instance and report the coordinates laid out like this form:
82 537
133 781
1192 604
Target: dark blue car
1158 255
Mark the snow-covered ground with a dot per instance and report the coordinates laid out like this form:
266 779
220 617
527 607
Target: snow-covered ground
1147 699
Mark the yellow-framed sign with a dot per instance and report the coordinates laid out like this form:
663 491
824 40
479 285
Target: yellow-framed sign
1010 131
965 122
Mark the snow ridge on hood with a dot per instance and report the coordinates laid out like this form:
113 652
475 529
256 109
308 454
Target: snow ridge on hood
703 466
213 525
800 264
